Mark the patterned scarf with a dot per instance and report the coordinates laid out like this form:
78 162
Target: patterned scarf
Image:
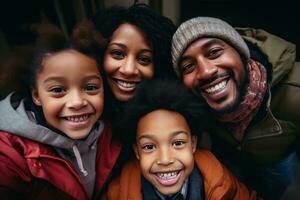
240 118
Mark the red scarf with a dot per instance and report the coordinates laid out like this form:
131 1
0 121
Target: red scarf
240 118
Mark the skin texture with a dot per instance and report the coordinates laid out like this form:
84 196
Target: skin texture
128 61
70 91
213 69
164 146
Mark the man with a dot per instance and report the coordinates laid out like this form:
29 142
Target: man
253 90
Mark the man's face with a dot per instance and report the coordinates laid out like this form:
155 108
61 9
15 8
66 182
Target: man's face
213 70
165 147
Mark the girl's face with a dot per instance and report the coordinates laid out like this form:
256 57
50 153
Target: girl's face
128 61
69 89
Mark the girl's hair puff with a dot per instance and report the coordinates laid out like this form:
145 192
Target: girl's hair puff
51 40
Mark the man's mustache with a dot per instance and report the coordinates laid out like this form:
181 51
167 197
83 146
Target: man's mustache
217 76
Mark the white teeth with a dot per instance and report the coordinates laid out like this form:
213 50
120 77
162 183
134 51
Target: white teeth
77 118
169 175
126 84
217 87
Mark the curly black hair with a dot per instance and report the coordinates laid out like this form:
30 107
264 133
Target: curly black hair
50 39
163 93
157 28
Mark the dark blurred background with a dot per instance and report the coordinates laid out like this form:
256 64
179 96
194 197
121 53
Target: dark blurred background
17 16
278 17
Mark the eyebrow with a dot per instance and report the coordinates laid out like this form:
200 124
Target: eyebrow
61 79
125 47
92 77
149 136
118 44
206 44
54 78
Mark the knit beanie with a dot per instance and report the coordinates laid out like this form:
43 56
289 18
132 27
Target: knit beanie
198 27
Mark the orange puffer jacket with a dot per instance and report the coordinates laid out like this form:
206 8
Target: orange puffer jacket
219 183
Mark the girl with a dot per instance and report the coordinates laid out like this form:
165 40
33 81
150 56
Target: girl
139 41
53 143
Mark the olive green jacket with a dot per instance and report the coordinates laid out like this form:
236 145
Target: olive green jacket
269 139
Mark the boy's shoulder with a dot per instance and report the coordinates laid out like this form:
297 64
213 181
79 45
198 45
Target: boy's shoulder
206 158
209 166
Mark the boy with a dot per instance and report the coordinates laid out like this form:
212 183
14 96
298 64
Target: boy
160 123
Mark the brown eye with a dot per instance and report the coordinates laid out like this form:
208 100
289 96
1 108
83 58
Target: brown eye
143 60
188 68
57 90
148 147
214 53
117 54
178 144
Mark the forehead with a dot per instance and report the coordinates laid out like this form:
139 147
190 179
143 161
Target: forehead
69 63
127 33
205 42
162 121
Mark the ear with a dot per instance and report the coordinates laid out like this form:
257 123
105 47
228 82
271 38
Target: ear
194 143
35 97
136 152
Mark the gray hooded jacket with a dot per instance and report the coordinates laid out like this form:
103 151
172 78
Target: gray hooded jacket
81 153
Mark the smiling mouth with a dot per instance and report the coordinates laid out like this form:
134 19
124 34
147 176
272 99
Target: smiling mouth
217 87
77 118
168 178
126 85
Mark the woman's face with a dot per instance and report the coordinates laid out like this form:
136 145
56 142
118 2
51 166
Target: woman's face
128 61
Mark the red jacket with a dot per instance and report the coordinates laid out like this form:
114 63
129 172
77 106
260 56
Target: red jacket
36 171
219 183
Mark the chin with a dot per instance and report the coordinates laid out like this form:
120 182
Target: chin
169 193
228 108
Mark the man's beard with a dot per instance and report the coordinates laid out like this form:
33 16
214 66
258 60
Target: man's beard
238 100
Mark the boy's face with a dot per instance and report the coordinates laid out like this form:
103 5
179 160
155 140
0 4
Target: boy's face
165 147
69 89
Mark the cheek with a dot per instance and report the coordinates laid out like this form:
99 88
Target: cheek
188 81
187 158
51 110
234 61
147 72
109 64
241 76
98 104
146 162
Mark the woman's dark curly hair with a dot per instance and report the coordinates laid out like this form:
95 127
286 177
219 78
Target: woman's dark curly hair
168 94
157 28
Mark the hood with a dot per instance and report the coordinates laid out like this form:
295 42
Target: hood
16 119
281 54
22 123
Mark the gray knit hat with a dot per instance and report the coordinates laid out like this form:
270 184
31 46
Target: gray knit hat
199 27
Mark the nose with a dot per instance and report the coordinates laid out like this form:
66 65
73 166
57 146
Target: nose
205 69
165 157
129 67
76 100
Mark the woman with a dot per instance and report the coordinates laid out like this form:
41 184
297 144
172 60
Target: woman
138 41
